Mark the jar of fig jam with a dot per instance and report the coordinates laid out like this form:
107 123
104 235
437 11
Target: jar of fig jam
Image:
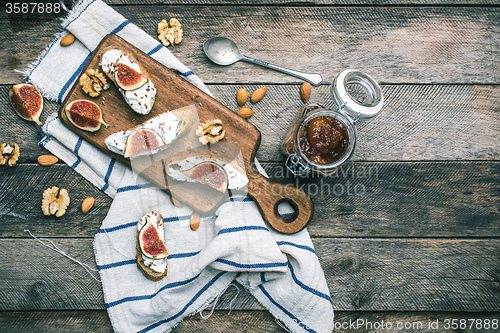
321 139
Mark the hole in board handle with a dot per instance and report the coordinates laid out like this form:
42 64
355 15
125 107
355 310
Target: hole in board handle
286 209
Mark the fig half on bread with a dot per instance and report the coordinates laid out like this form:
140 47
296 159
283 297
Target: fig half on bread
151 254
162 129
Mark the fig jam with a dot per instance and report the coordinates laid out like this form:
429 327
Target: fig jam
323 140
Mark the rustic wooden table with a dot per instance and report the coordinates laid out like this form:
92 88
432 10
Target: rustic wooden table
408 232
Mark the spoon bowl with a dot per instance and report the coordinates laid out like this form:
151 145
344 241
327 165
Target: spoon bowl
222 51
225 52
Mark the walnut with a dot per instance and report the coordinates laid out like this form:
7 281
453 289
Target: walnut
93 82
9 153
55 201
170 35
211 131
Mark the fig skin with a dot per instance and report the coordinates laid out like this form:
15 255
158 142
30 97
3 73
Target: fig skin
76 110
124 73
26 101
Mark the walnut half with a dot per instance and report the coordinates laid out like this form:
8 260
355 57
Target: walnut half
9 153
93 82
55 201
211 131
170 35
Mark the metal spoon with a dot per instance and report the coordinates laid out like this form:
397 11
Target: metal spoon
223 51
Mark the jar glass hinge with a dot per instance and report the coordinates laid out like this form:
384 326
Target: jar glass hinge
355 119
295 166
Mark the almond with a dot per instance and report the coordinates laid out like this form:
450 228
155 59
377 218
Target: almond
176 202
242 96
87 204
305 91
258 94
67 40
47 160
245 112
194 221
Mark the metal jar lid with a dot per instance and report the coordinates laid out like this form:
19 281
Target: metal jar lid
357 94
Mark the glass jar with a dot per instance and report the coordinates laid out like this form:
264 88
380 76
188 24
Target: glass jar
321 140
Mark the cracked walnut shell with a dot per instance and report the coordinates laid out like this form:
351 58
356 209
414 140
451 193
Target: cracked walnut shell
170 35
9 153
93 82
55 201
210 131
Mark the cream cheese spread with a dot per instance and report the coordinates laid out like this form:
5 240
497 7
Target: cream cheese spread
166 125
141 100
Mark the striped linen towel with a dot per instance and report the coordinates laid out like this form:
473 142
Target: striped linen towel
281 271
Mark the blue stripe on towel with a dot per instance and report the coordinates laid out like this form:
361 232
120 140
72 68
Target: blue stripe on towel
285 311
120 27
116 264
182 255
76 150
156 49
250 266
176 218
72 78
307 288
198 294
134 187
108 174
143 297
189 73
303 247
118 227
244 228
244 199
80 13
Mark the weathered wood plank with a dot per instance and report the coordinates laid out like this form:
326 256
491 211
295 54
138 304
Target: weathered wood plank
20 204
362 274
440 199
418 122
395 44
303 3
244 321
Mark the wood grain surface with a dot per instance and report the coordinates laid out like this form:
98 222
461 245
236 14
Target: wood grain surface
362 274
408 231
408 44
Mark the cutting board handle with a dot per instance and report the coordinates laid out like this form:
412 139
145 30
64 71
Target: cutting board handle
269 194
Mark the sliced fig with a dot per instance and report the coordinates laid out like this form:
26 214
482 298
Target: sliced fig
142 141
149 240
85 115
26 101
209 173
127 78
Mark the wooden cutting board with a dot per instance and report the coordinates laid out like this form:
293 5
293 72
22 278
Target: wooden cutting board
174 92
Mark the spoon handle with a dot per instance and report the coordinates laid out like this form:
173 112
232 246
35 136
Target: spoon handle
312 78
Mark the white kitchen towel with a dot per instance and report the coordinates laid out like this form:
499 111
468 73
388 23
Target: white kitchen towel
281 271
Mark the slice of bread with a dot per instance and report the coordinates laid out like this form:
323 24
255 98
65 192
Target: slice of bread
148 272
143 71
